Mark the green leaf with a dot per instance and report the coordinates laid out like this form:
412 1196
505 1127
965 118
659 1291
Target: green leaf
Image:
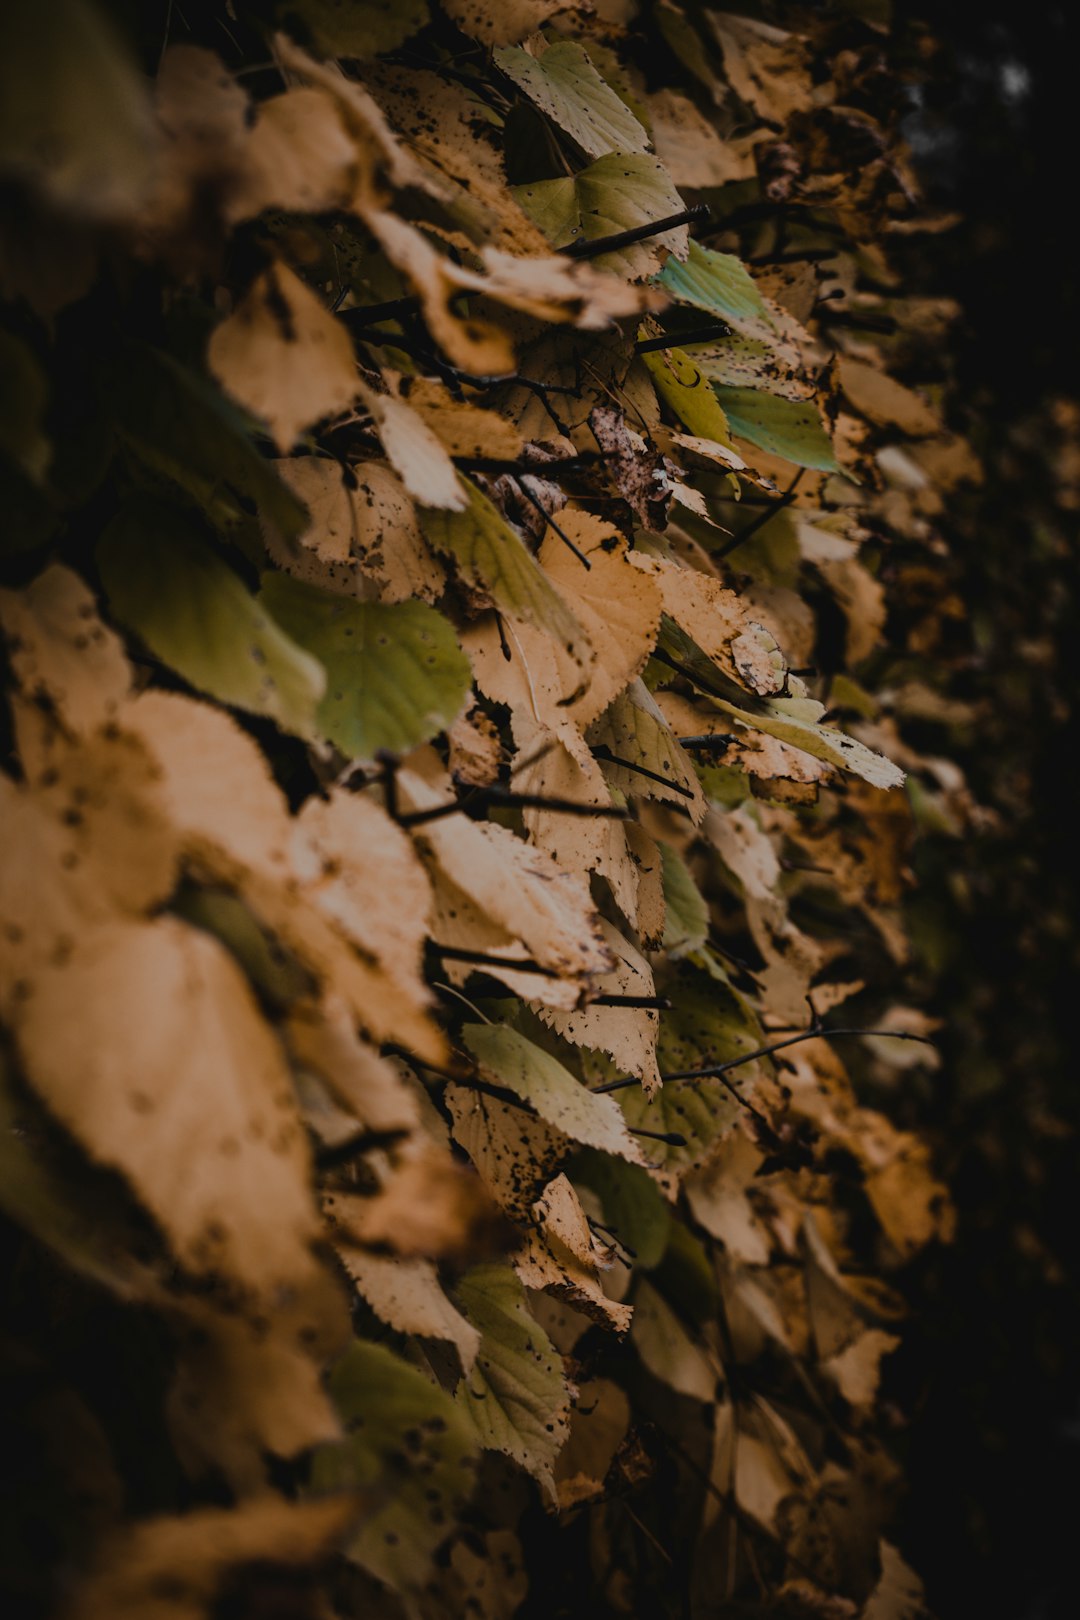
406 1434
492 556
566 87
686 919
708 1023
165 584
616 193
75 113
721 284
357 28
516 1398
634 1207
683 386
775 717
24 397
785 427
183 426
558 1096
395 675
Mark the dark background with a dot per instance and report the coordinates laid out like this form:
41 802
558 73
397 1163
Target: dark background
993 1449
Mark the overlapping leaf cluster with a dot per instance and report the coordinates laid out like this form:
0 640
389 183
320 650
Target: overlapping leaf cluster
438 558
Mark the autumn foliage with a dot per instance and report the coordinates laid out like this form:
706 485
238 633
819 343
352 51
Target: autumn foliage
449 460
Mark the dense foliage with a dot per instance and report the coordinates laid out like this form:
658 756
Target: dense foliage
472 478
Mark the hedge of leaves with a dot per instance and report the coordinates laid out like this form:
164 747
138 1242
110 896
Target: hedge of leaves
450 458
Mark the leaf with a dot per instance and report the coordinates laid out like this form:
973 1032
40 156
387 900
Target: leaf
566 87
502 22
407 1295
683 386
194 614
686 925
490 555
633 732
508 1059
408 1441
61 652
76 121
634 1208
415 452
823 742
362 526
766 66
206 1132
666 1348
175 1568
181 425
298 157
516 1399
563 1258
616 193
283 356
395 675
899 1594
786 427
521 889
514 1152
709 1023
598 1425
360 28
618 607
721 284
627 1035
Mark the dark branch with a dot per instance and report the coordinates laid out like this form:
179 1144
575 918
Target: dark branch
682 340
602 752
583 249
743 535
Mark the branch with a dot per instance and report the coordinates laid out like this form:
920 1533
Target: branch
603 752
717 1071
583 249
681 340
740 538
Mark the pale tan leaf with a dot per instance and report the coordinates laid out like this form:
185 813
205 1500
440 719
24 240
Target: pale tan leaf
283 356
692 150
146 1042
756 1456
627 1035
514 1151
520 888
322 1040
298 157
899 1594
856 1371
407 1296
363 527
426 1205
717 1195
175 1568
562 1258
463 429
766 67
414 451
885 401
60 650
